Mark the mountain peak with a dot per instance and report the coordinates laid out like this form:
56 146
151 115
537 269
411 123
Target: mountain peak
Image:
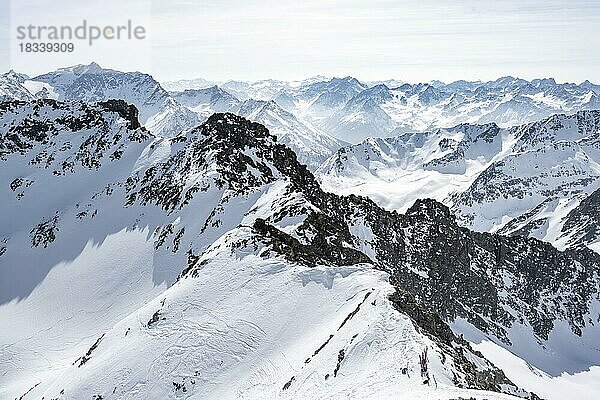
431 209
380 87
544 81
348 80
92 68
234 129
12 74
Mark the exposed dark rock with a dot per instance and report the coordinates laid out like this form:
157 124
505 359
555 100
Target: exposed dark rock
288 383
86 357
583 222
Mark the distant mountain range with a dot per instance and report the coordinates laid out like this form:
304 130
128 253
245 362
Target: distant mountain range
352 111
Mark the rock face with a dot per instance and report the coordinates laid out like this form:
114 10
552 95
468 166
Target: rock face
582 224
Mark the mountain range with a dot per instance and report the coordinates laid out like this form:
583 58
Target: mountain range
227 241
528 180
352 111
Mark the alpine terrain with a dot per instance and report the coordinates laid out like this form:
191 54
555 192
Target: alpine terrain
225 240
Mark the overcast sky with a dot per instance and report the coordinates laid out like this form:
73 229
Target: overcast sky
376 39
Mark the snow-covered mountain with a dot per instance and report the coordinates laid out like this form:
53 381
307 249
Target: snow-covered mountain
207 101
352 110
159 112
260 90
362 116
552 166
172 252
212 265
12 87
186 84
310 144
102 217
327 96
381 111
291 110
16 86
266 89
167 114
522 180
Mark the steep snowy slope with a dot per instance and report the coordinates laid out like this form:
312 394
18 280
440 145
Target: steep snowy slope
74 260
93 250
240 326
68 265
159 112
280 283
523 180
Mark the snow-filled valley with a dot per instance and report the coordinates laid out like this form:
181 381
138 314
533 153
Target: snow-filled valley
212 241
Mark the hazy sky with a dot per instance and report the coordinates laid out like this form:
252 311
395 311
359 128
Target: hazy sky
377 39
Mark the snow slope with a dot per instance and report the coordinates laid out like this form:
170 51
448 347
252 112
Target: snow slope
583 385
244 327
